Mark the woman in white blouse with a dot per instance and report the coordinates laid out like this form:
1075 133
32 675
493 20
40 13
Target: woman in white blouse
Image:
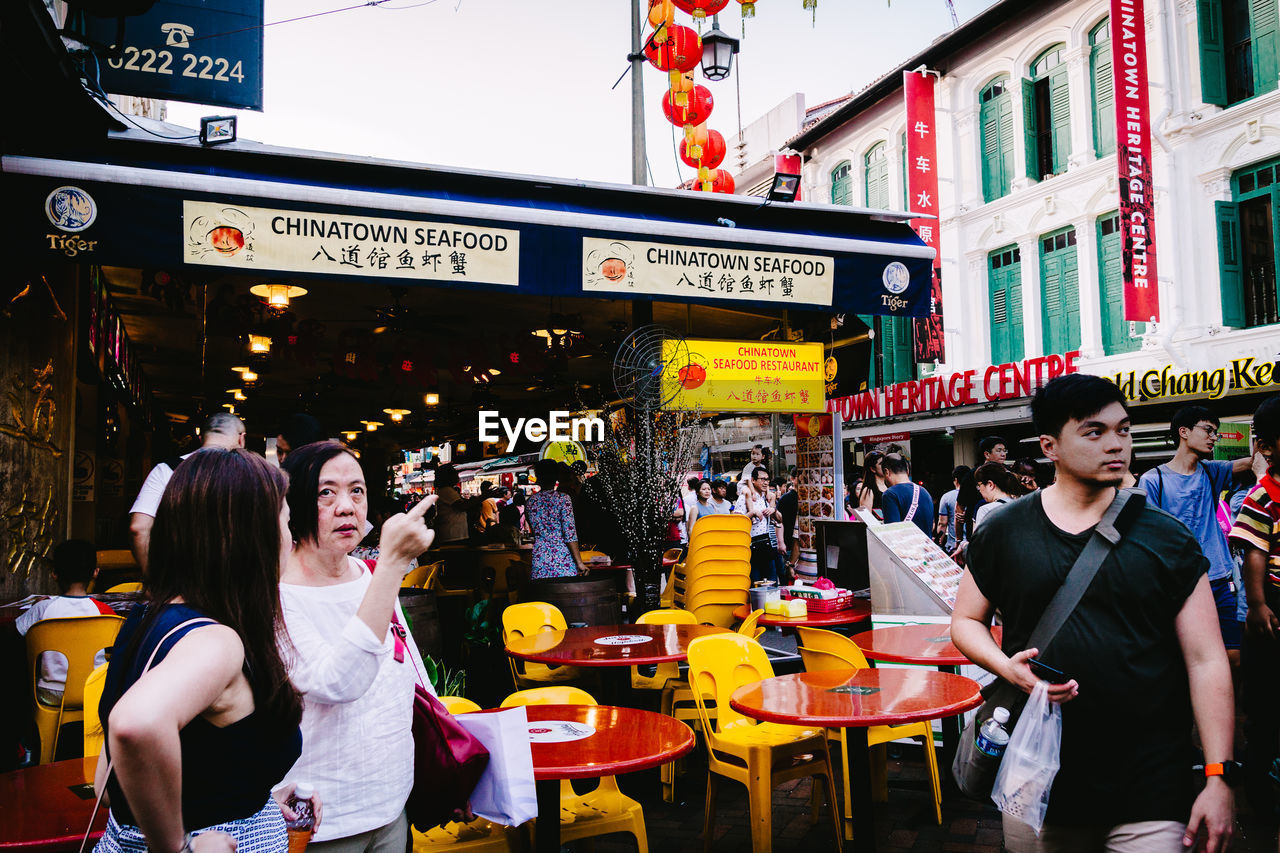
355 676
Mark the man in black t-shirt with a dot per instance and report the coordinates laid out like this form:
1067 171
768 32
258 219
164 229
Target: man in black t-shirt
1141 649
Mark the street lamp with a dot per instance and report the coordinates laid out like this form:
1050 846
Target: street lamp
718 48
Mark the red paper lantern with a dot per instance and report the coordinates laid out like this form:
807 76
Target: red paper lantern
713 150
720 182
695 112
681 51
700 8
661 12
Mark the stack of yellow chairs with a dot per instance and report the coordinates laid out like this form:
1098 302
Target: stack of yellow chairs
475 835
525 620
758 755
716 573
601 811
827 650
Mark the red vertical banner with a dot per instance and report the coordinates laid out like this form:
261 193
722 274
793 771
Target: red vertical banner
922 197
1133 158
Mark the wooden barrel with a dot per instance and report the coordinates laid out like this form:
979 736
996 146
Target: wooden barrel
419 606
583 601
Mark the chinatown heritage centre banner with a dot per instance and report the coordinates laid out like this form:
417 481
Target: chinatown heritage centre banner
744 376
1133 158
922 192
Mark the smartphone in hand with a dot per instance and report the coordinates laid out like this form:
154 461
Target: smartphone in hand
1047 673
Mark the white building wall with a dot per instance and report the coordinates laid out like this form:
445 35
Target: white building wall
1196 148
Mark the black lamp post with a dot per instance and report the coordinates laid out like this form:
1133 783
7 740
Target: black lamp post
718 48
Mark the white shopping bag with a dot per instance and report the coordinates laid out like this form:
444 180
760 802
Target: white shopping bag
505 793
1030 761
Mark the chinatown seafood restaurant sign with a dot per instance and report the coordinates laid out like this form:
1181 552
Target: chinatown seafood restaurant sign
255 238
706 272
744 376
962 388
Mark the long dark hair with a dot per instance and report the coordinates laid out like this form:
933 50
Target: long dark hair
216 543
869 463
995 472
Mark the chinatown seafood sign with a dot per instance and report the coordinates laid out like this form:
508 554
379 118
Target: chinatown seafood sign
962 388
706 272
229 235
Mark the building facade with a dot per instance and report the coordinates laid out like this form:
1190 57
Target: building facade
1028 196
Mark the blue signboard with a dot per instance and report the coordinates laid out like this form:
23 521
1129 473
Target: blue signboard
202 51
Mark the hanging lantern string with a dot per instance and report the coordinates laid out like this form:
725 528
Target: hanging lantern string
649 42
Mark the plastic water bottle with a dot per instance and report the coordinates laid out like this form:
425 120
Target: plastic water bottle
302 826
993 737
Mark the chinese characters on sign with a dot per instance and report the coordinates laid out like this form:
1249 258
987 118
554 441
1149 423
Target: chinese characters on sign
660 269
302 241
922 189
1133 158
747 376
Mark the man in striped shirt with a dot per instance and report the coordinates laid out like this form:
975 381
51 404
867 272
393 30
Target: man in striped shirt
1257 533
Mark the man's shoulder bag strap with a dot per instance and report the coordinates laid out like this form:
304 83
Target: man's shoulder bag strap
1117 519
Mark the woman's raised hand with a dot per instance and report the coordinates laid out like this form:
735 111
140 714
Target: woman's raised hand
406 535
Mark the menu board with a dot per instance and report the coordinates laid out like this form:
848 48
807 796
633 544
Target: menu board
922 556
816 490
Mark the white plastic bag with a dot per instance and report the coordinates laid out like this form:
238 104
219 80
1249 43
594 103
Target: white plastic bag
506 793
1030 761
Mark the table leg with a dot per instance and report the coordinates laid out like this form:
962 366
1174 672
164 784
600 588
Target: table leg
548 829
952 727
864 823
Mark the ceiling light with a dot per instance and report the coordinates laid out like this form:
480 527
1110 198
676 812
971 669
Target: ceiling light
462 447
371 426
431 398
241 370
351 434
397 415
493 371
230 408
237 394
249 377
277 295
259 344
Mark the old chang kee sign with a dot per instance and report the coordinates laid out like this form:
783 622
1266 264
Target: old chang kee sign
962 388
227 235
707 272
746 376
1133 158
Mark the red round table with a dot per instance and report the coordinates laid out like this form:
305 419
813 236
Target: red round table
625 740
44 808
854 700
920 644
583 646
859 612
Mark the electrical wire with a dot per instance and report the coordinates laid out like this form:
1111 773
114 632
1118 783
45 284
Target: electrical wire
96 91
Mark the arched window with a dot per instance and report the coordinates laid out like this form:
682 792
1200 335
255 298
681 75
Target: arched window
875 174
996 114
1104 96
1046 115
842 184
1238 49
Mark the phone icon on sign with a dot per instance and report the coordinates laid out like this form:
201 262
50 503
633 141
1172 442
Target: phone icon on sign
176 35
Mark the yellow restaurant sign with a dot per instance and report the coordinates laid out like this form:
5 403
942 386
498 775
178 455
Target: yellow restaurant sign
746 376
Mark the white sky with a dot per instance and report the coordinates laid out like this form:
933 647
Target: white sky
523 86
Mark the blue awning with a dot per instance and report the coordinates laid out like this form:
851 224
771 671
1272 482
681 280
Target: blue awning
265 211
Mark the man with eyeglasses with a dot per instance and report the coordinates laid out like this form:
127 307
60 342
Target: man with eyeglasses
1189 487
753 502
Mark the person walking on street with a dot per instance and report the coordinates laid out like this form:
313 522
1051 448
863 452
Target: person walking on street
994 449
905 500
753 502
1189 487
998 486
945 531
1140 649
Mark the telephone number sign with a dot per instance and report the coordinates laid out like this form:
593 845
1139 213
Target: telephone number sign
201 51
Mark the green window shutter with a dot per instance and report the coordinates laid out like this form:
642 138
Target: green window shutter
1029 129
1115 329
1104 101
1007 136
869 320
875 171
899 356
1230 265
842 185
991 159
1060 297
1005 306
888 341
1263 23
1213 64
1060 116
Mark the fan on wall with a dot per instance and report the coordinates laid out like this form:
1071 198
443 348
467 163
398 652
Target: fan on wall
647 367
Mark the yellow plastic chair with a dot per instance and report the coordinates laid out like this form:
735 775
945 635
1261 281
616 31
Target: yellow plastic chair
422 577
719 523
93 733
477 835
79 639
717 613
749 626
458 704
672 554
758 755
598 812
826 650
590 555
131 586
677 698
525 620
